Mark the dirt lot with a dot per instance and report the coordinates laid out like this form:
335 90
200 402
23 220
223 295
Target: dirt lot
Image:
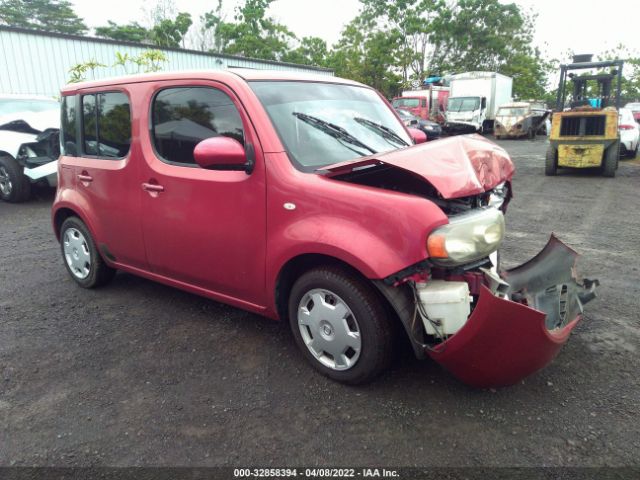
141 374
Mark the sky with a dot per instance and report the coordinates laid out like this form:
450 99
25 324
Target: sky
561 24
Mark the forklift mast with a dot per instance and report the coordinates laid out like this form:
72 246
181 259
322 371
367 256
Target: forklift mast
581 83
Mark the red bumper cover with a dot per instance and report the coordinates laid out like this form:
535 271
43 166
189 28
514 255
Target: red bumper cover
505 340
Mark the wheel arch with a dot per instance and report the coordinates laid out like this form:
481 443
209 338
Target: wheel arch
302 263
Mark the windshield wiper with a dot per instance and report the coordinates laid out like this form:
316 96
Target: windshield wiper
385 132
333 130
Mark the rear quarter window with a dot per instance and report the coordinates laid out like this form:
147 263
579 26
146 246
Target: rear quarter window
106 125
68 133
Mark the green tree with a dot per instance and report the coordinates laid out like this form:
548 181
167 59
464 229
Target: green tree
50 15
170 33
131 32
311 51
253 33
368 56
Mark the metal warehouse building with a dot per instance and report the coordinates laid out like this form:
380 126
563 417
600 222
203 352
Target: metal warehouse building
38 63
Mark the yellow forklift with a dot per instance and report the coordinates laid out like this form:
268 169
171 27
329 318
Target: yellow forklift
584 128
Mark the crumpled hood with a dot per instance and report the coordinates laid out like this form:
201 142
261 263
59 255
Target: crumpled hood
36 120
457 167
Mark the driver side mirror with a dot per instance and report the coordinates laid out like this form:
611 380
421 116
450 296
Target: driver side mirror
222 153
483 103
418 136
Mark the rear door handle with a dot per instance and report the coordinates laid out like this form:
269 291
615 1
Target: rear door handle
152 187
83 177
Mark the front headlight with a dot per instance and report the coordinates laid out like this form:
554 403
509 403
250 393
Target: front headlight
466 238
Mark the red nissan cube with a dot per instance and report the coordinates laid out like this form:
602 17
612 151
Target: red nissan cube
306 199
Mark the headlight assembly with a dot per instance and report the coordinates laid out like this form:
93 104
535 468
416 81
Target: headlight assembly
466 238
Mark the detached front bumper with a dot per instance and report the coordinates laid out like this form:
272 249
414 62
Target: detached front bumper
520 329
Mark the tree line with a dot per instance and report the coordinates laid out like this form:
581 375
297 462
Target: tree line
389 45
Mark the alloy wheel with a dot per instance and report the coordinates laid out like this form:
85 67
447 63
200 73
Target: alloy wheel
5 181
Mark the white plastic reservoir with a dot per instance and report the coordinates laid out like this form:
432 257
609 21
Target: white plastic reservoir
447 303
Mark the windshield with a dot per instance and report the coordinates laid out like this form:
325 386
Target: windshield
16 105
406 102
463 104
324 123
513 111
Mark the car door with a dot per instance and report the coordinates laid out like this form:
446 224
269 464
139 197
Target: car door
104 165
204 228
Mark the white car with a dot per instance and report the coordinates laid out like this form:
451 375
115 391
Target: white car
29 144
629 133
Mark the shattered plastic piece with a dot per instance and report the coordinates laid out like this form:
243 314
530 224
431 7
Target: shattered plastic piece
505 341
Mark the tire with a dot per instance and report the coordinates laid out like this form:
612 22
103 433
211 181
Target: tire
610 161
15 187
330 304
531 134
551 162
81 257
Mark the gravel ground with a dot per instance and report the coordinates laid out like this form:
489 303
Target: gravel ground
141 374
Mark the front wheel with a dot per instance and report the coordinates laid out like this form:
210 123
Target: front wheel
340 324
610 161
15 187
551 162
81 257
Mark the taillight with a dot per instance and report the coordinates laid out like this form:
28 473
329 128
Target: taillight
625 127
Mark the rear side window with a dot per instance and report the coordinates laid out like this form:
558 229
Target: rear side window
182 117
106 125
68 140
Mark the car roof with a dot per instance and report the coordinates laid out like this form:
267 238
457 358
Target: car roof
229 75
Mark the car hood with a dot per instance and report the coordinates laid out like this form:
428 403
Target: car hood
39 121
457 167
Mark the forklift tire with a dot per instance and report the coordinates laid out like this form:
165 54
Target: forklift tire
551 162
610 162
15 186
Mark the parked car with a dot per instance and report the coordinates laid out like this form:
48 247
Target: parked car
629 133
635 109
521 119
29 144
431 129
304 198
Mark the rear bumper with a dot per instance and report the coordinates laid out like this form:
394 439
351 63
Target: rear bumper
508 339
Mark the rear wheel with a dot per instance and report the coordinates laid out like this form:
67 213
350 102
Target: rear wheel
531 134
610 161
551 162
340 324
81 257
15 187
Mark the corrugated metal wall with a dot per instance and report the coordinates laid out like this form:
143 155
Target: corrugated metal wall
38 63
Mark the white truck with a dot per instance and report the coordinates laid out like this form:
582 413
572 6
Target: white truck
474 99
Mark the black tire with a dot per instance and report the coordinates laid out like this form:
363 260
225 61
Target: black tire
18 187
551 162
610 161
531 134
375 327
99 272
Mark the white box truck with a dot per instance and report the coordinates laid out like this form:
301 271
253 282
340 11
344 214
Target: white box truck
474 99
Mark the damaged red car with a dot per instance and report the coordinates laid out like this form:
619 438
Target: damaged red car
306 199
